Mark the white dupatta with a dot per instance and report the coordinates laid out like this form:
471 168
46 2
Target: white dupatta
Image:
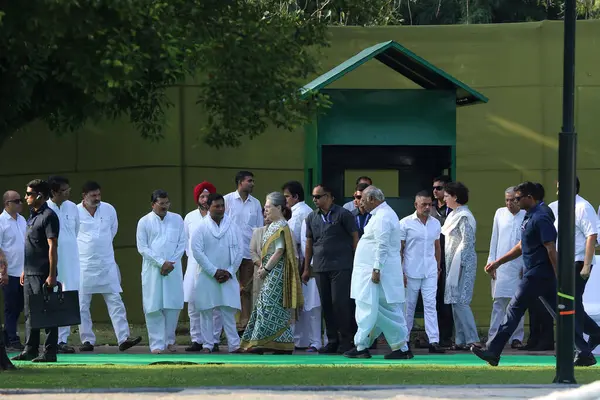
452 223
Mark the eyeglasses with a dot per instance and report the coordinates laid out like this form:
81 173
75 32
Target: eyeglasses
357 197
16 201
318 196
438 188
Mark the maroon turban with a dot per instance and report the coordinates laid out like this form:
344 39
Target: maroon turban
201 187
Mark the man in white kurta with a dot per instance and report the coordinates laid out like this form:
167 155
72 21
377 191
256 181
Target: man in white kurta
377 281
191 222
161 241
100 274
68 251
421 252
217 248
506 234
307 330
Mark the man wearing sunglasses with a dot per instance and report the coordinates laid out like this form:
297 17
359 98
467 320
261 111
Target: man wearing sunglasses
12 243
331 238
40 267
361 216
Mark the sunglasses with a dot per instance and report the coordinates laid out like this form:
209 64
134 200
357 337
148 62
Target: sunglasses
318 196
30 193
518 198
16 201
358 197
438 188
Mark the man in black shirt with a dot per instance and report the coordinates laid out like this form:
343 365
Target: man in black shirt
331 238
41 258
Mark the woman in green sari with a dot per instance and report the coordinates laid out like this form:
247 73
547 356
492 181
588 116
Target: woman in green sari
269 328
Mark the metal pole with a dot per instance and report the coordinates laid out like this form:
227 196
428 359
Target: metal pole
566 209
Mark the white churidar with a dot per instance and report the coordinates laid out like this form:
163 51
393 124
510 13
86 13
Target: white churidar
161 327
116 311
228 317
428 289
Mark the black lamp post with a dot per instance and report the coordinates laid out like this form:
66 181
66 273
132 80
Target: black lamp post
567 161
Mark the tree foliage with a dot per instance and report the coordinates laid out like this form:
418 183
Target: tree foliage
67 62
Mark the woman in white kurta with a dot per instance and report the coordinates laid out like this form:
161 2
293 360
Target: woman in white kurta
506 233
217 246
161 241
378 281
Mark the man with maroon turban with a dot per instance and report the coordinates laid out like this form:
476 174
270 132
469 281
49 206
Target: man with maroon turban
191 222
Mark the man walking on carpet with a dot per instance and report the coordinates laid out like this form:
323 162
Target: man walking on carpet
378 283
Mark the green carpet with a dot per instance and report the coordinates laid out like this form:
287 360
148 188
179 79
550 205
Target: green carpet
463 360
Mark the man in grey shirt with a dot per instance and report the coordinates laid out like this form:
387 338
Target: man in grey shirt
331 238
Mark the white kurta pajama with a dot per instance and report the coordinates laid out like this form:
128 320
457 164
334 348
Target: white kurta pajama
99 270
68 252
191 222
307 330
421 270
379 307
506 233
218 247
160 240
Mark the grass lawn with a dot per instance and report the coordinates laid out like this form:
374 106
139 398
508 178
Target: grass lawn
253 375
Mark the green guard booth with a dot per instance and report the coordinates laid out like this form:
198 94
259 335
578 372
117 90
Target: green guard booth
401 138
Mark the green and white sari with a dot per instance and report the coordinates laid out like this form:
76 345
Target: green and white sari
269 327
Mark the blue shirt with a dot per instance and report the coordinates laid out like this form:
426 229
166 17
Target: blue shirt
537 229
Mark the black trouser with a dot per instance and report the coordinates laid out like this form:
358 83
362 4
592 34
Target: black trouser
528 292
13 307
444 311
33 285
582 319
338 308
541 326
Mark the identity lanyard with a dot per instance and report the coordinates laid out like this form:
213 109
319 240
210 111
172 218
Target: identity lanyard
326 217
362 228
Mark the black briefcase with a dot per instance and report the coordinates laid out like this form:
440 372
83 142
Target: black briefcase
51 309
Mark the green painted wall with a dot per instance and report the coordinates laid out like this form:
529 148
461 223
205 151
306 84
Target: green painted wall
510 139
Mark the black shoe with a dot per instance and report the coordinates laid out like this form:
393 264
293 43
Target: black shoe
45 358
446 343
86 346
486 356
331 348
355 353
436 348
516 344
593 342
15 346
194 347
527 347
215 347
24 356
129 343
584 361
5 364
543 347
64 348
344 348
399 355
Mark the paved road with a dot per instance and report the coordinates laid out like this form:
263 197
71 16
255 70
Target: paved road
495 392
